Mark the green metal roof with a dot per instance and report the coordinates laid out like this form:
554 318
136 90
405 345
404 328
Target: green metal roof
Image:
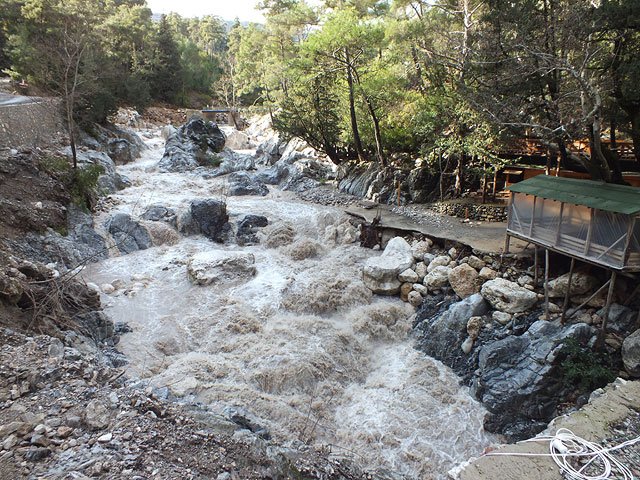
600 195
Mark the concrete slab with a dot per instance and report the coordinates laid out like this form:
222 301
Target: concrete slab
592 422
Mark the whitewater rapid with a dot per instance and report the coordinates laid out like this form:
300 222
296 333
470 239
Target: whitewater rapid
303 347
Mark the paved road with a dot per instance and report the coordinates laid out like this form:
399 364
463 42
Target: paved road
7 100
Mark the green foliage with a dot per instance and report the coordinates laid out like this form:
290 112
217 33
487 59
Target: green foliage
166 70
450 81
584 368
81 182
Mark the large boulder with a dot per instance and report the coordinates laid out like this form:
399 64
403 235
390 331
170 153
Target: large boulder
229 161
631 354
437 278
622 320
236 140
581 283
519 378
443 334
128 234
208 217
197 143
508 296
160 213
380 274
248 228
242 183
464 280
82 232
220 267
270 151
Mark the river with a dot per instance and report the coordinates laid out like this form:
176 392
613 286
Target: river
302 347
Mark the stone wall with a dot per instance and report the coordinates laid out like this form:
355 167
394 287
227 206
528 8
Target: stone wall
30 125
487 213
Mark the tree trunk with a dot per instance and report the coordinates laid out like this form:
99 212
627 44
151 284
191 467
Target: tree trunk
418 70
71 127
598 160
458 173
352 107
635 132
375 120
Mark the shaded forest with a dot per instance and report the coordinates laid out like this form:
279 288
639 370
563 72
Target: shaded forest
449 82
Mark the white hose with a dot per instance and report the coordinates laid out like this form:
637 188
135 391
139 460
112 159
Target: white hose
565 445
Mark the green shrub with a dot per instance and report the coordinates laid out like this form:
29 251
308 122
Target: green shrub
584 368
83 185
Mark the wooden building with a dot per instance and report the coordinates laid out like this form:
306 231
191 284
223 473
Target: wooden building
593 222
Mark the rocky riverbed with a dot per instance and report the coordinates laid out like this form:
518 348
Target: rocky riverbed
249 320
255 304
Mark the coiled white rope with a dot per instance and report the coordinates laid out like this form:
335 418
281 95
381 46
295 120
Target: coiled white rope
565 445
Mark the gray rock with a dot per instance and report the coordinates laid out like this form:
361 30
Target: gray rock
508 296
631 353
35 454
380 274
56 348
97 324
518 377
128 234
248 227
195 144
622 320
242 183
269 152
581 284
220 266
160 213
439 261
210 218
96 415
442 337
408 275
437 278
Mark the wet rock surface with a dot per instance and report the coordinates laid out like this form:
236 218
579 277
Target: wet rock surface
69 413
195 144
129 235
207 217
519 377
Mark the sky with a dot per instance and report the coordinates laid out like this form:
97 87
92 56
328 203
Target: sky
227 9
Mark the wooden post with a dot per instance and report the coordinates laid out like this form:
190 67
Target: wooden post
546 284
507 238
495 181
533 217
558 233
568 294
535 265
587 243
627 243
605 317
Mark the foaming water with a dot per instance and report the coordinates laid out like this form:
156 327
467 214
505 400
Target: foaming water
303 345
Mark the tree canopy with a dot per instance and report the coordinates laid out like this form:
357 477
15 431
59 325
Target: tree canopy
452 82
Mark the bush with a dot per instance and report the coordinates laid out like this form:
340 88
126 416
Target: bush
83 185
81 182
584 368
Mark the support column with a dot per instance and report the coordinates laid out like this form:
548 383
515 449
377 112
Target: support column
546 284
605 317
568 294
535 266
